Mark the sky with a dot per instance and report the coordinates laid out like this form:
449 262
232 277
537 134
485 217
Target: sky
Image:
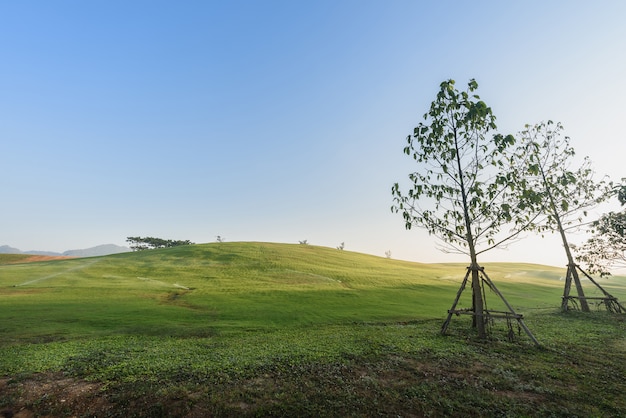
277 120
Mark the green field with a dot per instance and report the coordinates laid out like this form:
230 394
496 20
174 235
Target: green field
257 329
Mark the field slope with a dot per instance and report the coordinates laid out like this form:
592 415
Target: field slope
231 329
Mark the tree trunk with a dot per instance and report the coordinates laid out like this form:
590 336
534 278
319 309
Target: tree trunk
477 301
571 265
572 273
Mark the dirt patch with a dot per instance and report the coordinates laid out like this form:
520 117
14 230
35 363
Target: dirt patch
51 394
37 258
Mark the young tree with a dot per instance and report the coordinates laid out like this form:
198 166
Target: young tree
464 191
606 249
564 194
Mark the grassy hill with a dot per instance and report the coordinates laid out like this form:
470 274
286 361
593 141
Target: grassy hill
230 329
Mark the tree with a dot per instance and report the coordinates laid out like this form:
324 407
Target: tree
464 191
606 249
149 243
564 194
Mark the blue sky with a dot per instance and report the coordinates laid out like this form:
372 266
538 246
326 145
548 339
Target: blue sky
276 120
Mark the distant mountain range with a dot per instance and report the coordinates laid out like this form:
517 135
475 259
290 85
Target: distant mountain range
105 249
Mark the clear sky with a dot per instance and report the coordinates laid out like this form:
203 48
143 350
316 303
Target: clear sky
277 120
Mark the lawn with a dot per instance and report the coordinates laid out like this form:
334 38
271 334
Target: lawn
232 329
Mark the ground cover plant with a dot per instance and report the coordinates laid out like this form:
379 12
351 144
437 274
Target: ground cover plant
257 329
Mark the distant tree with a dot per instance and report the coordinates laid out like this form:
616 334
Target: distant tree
464 191
304 242
606 249
621 193
219 238
341 246
388 253
563 193
150 243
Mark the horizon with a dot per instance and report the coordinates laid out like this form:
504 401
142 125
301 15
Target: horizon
616 272
279 122
35 251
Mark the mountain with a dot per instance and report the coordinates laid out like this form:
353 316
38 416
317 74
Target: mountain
5 249
105 249
52 253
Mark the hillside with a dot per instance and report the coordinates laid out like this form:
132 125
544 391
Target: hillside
263 285
255 329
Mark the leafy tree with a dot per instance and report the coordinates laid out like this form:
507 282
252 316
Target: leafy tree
464 191
149 243
606 249
563 193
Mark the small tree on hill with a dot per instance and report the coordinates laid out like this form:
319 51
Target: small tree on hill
150 243
606 249
564 194
464 191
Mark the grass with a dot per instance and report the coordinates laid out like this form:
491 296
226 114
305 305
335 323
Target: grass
232 329
12 258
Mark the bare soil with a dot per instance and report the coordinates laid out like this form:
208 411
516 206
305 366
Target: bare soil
51 395
37 258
